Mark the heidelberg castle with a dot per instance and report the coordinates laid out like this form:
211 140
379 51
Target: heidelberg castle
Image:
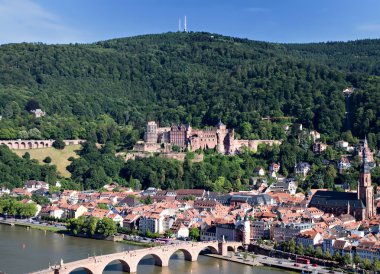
158 139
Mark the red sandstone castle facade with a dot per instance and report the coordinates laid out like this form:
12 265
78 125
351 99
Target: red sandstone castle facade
184 136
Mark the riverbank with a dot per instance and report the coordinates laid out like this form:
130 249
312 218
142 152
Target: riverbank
235 259
65 231
34 226
277 263
138 243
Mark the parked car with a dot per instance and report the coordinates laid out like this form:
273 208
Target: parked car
315 265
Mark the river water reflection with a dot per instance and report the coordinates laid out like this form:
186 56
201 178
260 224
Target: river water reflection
24 250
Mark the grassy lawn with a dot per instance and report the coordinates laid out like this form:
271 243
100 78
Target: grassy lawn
41 227
59 157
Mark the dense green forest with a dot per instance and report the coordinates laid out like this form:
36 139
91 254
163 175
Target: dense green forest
15 170
108 90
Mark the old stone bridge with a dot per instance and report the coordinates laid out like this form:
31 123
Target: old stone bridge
130 259
34 144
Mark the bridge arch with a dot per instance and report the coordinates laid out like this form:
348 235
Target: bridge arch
124 265
240 248
235 247
230 248
22 145
81 269
188 256
213 250
157 259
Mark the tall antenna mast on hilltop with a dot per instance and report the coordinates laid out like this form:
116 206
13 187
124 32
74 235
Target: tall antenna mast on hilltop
179 24
185 28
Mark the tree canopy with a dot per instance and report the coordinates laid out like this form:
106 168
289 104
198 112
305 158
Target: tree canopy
108 90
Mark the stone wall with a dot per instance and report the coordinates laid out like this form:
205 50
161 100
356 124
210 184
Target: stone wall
35 144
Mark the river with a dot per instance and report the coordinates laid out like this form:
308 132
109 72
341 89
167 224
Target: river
24 250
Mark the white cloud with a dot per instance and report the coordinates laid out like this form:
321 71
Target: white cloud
369 28
257 10
27 21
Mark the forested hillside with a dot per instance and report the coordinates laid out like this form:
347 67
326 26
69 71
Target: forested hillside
108 90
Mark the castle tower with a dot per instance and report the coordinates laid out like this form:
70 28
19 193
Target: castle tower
151 135
221 133
365 188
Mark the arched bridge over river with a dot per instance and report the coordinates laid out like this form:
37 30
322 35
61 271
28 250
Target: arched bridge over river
130 259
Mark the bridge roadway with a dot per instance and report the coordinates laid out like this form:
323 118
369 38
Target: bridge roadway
130 259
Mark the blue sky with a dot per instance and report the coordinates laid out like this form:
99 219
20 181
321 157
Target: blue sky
70 21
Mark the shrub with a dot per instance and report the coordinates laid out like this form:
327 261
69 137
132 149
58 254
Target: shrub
47 160
59 144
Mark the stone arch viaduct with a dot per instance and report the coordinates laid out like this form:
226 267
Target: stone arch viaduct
35 144
130 259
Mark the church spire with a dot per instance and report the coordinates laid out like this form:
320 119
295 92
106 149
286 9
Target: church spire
365 167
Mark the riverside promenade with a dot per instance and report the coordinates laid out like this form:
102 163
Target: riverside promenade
260 260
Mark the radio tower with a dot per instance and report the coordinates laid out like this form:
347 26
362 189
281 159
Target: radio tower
185 28
179 24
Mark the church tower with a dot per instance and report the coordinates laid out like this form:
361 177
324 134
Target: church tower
365 188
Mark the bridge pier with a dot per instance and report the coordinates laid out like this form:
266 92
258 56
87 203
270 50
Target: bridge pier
222 248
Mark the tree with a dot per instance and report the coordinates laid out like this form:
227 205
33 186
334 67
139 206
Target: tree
328 255
150 234
26 156
76 226
292 246
106 227
367 264
32 104
169 233
47 160
148 200
337 257
310 250
300 249
194 234
347 260
319 252
103 206
189 198
27 210
23 134
92 224
41 200
59 144
376 266
34 133
176 148
357 260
